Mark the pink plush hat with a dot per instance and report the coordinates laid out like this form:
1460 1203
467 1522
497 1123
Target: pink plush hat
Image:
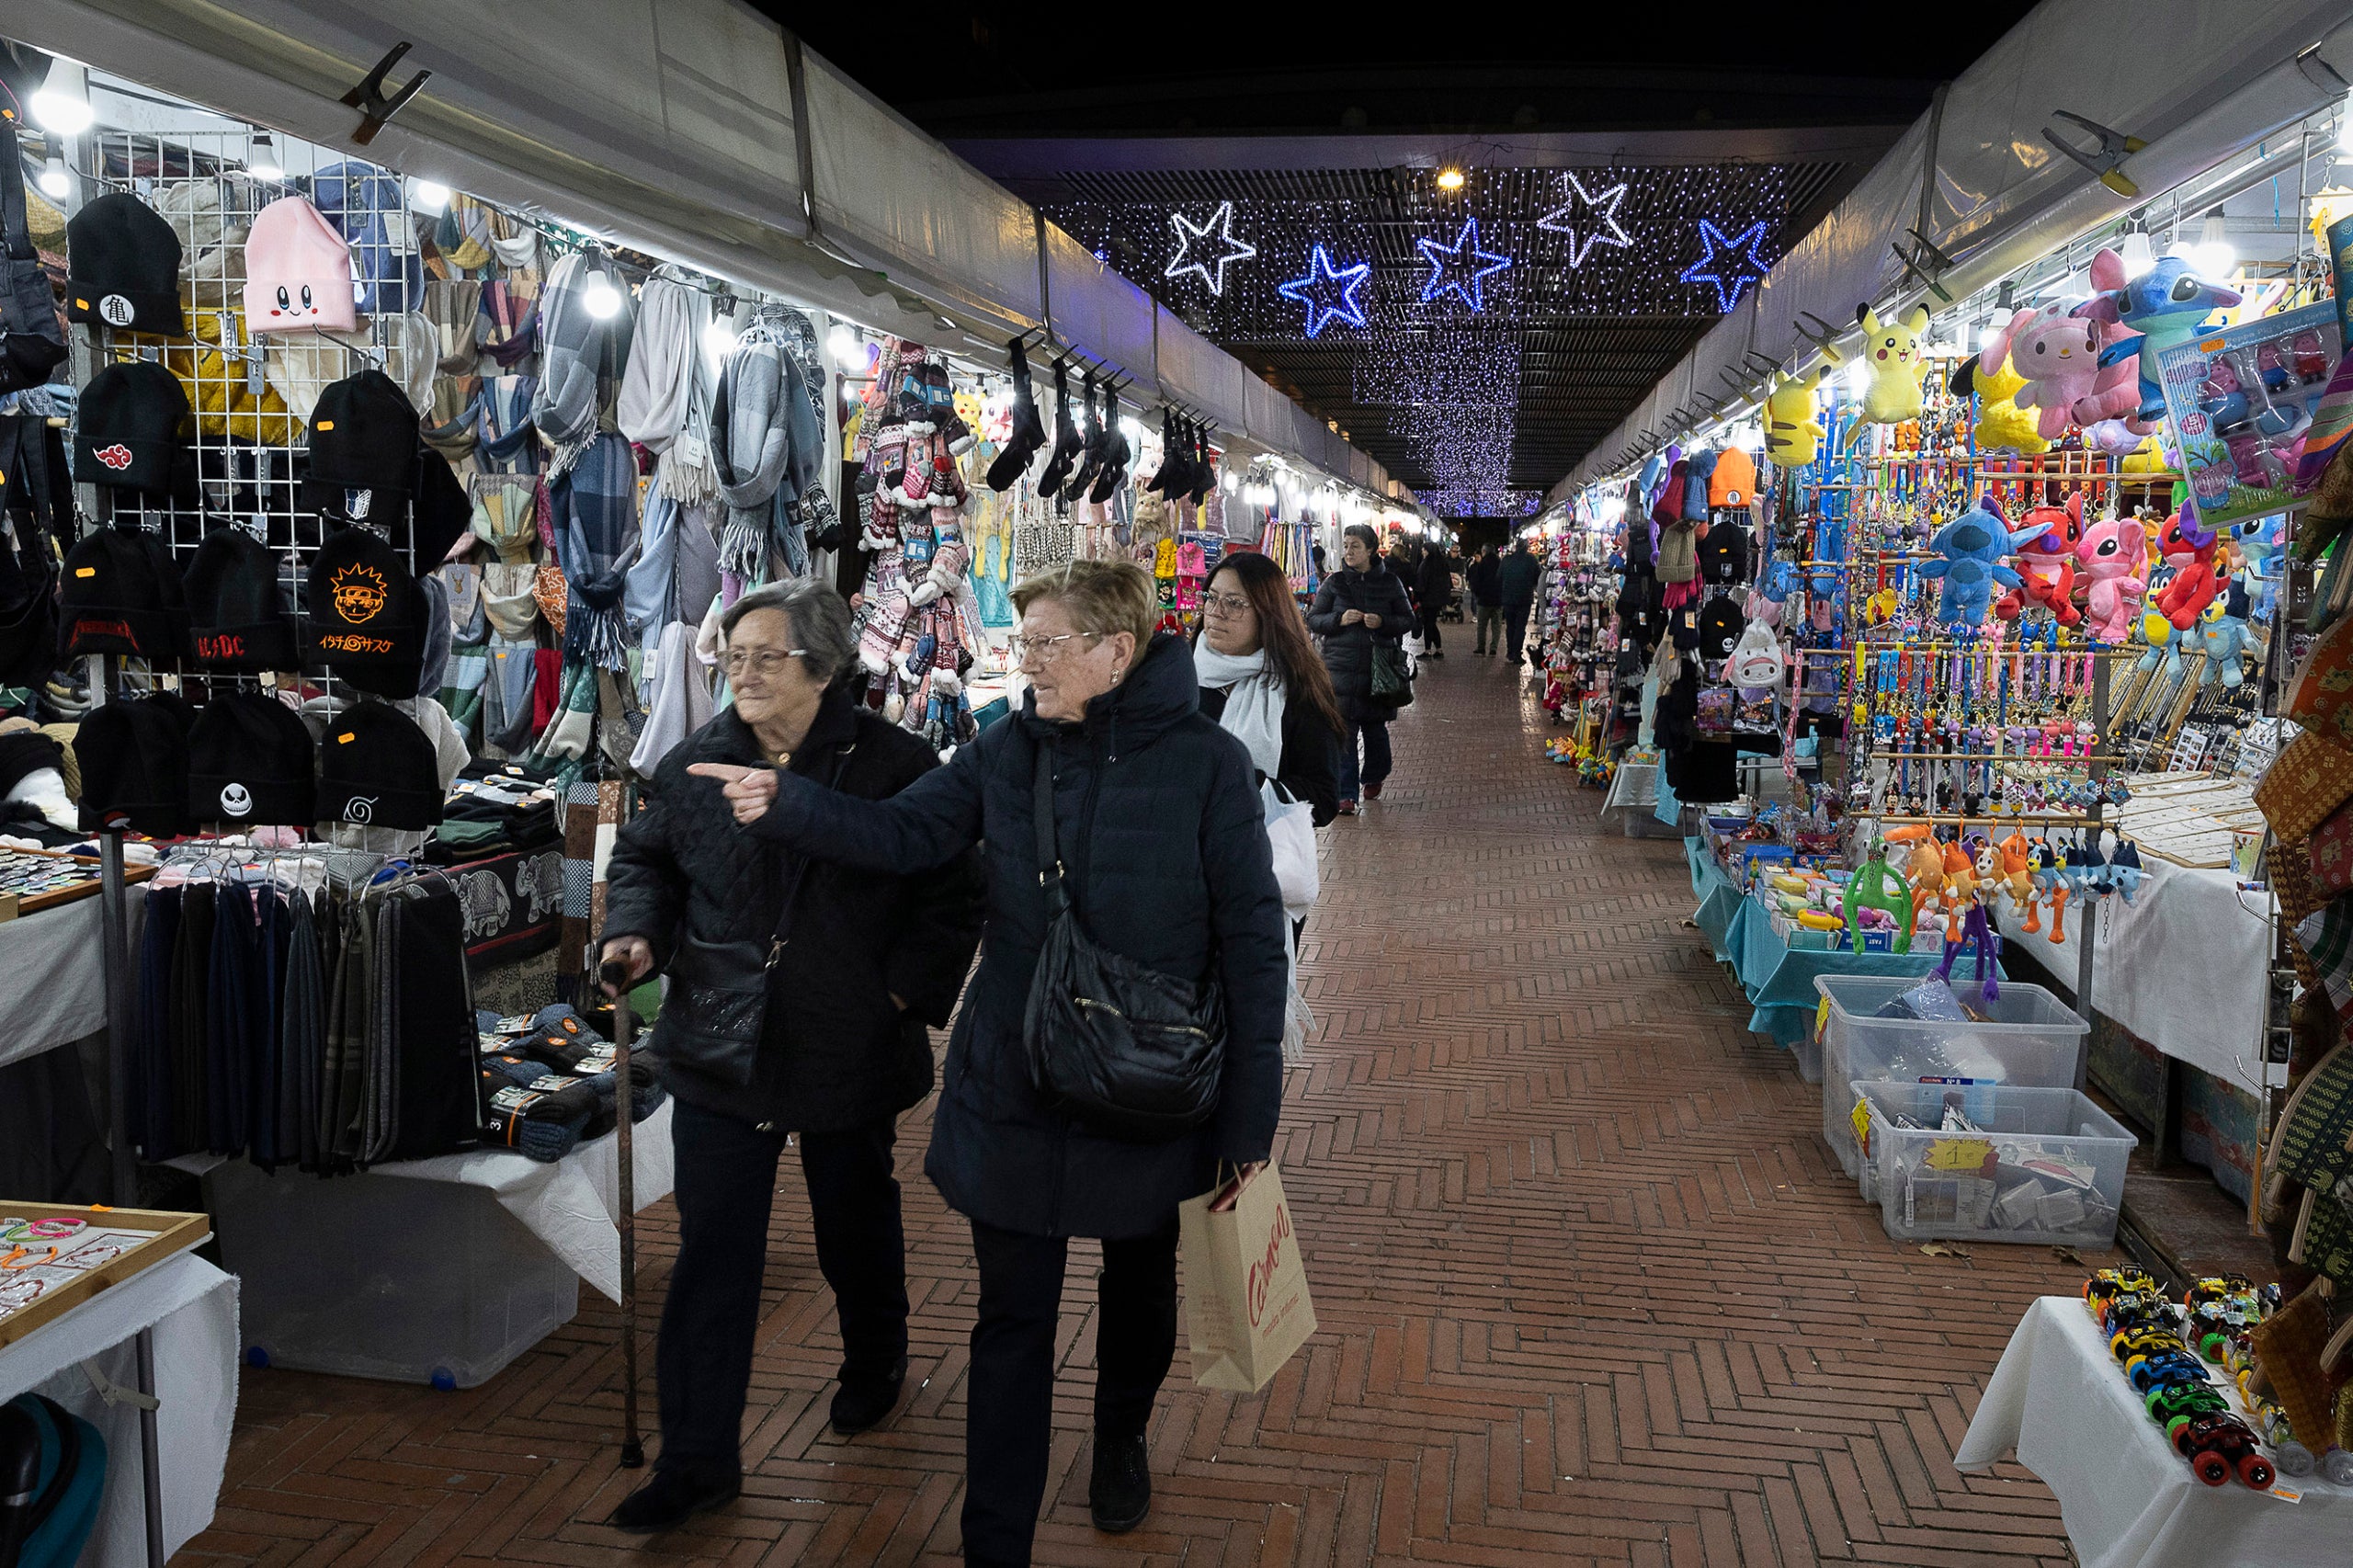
298 271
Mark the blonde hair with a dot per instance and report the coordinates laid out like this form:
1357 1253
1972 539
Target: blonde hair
1100 597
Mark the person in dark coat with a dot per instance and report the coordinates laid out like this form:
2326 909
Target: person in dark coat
851 965
1260 679
1361 603
1434 590
1516 580
1484 584
1159 829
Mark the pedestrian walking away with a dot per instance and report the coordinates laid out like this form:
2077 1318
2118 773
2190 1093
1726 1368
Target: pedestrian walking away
1358 607
1435 590
1516 583
1485 584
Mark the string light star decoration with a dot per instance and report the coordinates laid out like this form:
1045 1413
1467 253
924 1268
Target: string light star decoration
1327 292
1731 265
1458 267
1212 268
1599 227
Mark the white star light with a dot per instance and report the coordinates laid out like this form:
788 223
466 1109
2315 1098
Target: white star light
1563 219
1457 267
1221 222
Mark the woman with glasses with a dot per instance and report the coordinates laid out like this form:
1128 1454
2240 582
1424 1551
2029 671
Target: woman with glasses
799 990
1262 682
1157 826
1359 606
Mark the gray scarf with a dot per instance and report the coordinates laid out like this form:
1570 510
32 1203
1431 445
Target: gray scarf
766 446
580 354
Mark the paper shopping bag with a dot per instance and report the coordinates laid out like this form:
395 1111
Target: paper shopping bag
1246 1292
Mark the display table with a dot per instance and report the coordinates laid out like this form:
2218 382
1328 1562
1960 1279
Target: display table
1720 899
191 1309
55 988
2128 1500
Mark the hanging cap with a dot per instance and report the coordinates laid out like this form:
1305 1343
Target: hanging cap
298 271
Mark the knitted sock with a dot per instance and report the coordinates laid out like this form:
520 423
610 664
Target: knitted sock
558 1018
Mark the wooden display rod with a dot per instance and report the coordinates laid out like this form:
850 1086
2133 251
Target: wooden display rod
27 1238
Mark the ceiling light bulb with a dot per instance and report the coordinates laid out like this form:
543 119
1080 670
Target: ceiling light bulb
55 182
1858 377
261 159
2138 254
62 103
602 299
843 345
425 195
1450 179
718 338
1233 482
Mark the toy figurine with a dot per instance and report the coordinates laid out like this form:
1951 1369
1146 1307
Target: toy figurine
1969 556
2261 542
2111 551
1874 886
2057 352
2196 583
2164 306
1890 354
2047 564
1792 433
2223 632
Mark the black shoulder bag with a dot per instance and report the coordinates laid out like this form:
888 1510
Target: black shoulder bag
31 340
1133 1052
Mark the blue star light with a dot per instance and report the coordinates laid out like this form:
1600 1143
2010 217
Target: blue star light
1458 267
1563 219
1316 293
1220 223
1740 266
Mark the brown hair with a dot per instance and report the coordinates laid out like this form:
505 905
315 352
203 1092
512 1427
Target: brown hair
1100 597
1282 631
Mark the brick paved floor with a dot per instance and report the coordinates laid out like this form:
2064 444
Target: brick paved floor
1592 1291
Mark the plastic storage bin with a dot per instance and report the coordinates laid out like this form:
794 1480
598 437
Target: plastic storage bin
2046 1166
379 1277
2034 1040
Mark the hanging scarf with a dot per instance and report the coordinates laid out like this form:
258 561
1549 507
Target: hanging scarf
453 429
508 439
1254 701
665 362
580 354
464 233
519 254
462 580
594 507
455 310
505 513
507 599
753 421
651 602
509 332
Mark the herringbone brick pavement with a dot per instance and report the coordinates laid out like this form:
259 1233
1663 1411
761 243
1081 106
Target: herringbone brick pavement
1592 1290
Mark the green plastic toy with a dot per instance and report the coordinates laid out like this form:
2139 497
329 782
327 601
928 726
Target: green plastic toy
1875 886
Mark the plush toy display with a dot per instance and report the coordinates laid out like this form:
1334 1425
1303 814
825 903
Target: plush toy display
1969 554
2224 631
1873 886
1792 433
2200 575
2113 551
1891 355
2015 870
2047 564
2002 425
2164 306
2057 352
2261 541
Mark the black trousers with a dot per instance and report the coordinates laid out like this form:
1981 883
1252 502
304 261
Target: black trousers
1009 1406
726 1179
1431 639
1514 628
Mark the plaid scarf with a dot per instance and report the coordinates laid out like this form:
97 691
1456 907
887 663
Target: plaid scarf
2327 937
593 507
580 355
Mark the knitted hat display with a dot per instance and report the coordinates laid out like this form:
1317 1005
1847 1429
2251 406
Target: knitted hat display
123 594
236 605
132 756
249 763
1733 482
122 267
377 768
131 432
298 271
365 614
365 435
364 204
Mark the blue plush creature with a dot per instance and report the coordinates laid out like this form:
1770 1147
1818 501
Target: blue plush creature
2224 631
1829 551
1780 580
2164 306
2262 542
1969 554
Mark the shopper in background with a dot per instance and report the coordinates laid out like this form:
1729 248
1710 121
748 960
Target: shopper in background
1159 827
1435 587
1485 586
1358 606
1261 680
1516 580
848 966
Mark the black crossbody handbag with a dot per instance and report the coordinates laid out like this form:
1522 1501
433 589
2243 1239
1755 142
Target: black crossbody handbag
1133 1052
32 341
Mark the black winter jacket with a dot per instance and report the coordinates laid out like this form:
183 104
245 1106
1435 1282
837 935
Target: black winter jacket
835 1051
1309 768
1434 589
1482 580
1347 650
1516 579
1160 831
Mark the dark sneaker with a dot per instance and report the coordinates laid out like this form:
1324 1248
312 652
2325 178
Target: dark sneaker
862 1405
1372 791
1121 1492
1348 807
671 1498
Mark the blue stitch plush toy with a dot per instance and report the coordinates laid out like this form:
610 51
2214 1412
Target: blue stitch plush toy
2226 637
2165 305
1969 557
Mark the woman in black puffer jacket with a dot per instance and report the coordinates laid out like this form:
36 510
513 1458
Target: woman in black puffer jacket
1358 606
1162 840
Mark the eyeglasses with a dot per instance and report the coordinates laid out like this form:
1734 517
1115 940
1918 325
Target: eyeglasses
1044 651
1227 604
761 662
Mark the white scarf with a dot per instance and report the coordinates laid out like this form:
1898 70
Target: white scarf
1254 701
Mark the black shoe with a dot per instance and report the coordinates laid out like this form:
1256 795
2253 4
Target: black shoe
861 1406
1121 1494
671 1498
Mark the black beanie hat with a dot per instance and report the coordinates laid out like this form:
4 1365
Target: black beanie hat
236 608
376 768
123 594
249 763
131 432
365 436
366 614
133 761
122 267
1720 624
23 752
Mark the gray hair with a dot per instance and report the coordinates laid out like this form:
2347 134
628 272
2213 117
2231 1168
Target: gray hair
818 616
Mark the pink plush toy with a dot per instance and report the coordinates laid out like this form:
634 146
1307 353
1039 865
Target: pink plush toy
2111 551
2056 354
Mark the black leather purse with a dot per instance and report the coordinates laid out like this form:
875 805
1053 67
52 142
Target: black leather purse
32 341
1133 1052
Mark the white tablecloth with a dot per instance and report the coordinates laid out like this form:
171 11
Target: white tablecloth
193 1307
2181 966
53 979
2128 1498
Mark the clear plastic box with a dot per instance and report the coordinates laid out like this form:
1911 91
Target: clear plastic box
2046 1166
379 1277
2034 1040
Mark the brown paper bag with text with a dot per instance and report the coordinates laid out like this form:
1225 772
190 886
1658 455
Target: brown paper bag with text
1247 1307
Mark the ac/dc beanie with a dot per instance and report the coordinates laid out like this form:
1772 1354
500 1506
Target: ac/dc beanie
236 608
122 267
365 438
365 612
378 768
132 756
131 432
249 763
123 594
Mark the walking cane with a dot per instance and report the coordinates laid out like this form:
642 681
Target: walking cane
616 974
